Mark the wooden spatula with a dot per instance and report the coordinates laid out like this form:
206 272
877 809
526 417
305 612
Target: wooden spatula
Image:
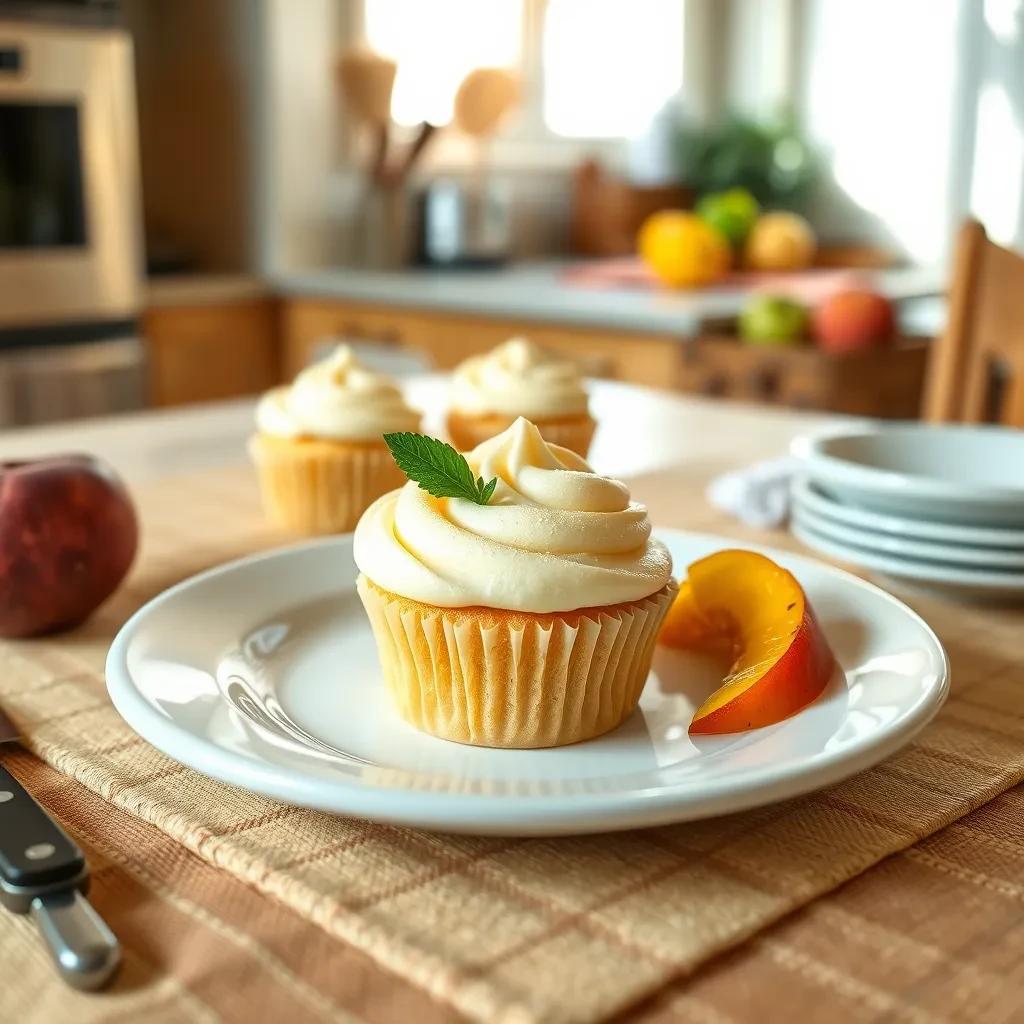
367 81
485 96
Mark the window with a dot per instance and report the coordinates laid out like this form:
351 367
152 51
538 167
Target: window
436 43
593 69
888 140
609 67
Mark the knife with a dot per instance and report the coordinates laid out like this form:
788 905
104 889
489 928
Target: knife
43 873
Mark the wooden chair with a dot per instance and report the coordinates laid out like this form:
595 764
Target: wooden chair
976 369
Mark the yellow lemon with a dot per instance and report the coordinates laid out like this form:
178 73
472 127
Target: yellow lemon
780 241
682 250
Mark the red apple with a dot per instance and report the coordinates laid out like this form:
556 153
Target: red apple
854 320
68 535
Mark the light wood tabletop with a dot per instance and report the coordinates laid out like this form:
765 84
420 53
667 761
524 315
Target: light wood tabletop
932 932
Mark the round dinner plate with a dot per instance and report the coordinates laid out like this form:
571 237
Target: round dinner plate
807 495
966 555
997 584
263 673
962 474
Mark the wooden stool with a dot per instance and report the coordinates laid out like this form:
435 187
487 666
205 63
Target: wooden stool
976 371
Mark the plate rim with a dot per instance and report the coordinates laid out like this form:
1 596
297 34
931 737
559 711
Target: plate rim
508 815
803 491
886 544
1009 581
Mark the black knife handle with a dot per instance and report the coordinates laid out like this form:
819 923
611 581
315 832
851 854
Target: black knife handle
33 848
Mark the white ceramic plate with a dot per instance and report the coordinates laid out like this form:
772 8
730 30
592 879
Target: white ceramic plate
962 474
966 555
263 673
984 584
805 494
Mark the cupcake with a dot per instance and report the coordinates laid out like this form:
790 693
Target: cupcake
491 391
524 617
319 449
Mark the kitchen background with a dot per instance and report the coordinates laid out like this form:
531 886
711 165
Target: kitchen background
193 196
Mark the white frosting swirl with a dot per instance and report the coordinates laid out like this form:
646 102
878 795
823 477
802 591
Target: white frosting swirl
554 537
337 399
519 379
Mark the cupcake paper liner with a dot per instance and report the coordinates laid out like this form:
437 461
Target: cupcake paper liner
510 679
318 487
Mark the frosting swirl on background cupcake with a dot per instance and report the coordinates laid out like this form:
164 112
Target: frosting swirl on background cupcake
519 379
554 537
337 399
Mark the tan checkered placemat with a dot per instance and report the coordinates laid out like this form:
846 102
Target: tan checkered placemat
516 930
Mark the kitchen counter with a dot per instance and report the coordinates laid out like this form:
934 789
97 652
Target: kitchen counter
537 292
203 289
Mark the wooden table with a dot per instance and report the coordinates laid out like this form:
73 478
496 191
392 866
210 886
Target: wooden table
933 933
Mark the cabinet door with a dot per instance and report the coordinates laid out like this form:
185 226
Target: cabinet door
307 324
445 339
203 353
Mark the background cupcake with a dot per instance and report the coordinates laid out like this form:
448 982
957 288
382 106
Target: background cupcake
319 449
517 379
526 617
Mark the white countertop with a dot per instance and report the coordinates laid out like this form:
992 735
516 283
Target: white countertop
536 292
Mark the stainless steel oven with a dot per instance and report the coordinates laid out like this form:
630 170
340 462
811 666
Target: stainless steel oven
70 251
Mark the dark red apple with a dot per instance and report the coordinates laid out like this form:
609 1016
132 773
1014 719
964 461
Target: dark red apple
68 535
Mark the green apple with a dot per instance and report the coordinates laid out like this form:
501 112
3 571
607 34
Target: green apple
731 213
773 320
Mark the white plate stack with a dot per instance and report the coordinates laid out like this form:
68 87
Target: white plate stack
941 505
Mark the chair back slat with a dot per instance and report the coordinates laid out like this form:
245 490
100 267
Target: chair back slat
976 369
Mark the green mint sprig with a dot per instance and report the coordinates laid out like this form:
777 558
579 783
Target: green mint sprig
438 468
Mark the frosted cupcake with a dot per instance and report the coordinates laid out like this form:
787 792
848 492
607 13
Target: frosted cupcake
491 391
525 619
319 449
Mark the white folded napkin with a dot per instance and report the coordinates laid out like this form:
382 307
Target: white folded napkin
757 495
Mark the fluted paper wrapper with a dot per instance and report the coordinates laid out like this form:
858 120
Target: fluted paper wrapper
509 679
466 431
320 488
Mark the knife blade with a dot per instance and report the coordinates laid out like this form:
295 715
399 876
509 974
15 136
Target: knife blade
42 872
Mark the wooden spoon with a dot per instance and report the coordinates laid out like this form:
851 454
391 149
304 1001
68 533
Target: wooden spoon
367 81
485 96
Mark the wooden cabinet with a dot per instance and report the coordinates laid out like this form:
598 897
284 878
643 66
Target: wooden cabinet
223 349
205 352
445 339
886 381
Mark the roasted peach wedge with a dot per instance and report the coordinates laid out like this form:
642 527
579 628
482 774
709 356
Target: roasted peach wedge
742 606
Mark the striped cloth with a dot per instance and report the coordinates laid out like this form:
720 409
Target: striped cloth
493 929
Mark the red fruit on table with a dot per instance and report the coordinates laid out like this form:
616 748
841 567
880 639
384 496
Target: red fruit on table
854 320
68 534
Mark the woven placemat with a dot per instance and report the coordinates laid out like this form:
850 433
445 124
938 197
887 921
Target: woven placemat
515 930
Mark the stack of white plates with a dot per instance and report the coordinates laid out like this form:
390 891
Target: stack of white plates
940 505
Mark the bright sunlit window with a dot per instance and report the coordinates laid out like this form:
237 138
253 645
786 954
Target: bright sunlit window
896 165
436 43
608 66
605 66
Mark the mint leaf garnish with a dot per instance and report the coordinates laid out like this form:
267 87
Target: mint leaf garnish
438 468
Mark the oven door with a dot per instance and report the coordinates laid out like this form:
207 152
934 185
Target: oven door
69 222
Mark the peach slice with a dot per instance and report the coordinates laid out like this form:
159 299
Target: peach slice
742 605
